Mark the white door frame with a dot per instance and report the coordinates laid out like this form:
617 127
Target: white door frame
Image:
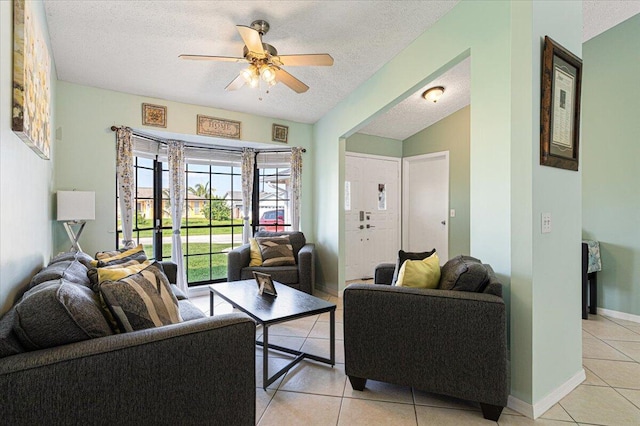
405 200
398 188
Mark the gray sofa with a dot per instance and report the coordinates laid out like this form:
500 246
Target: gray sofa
442 341
300 276
200 371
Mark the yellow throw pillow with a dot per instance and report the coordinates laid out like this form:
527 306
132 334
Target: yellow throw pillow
116 256
256 254
115 273
420 273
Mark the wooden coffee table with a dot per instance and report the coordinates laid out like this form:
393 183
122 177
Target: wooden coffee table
290 304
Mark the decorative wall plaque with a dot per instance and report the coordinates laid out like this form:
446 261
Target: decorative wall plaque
280 133
211 126
154 115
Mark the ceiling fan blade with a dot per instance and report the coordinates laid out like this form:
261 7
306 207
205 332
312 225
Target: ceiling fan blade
290 81
237 83
251 39
320 59
212 58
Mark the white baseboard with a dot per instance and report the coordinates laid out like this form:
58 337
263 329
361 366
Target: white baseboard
619 315
539 408
331 291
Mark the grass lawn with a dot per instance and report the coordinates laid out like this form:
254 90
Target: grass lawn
193 222
200 265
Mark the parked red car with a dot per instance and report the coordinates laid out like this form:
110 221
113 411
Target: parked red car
272 221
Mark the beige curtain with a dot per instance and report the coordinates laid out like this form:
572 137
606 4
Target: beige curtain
175 154
296 186
248 163
126 184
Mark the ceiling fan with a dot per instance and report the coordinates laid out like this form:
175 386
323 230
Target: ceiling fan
264 61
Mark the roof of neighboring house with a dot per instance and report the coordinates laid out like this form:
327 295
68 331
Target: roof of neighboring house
148 193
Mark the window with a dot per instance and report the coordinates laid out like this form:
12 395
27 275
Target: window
273 195
212 222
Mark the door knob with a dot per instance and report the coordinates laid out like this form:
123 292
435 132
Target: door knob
444 222
370 226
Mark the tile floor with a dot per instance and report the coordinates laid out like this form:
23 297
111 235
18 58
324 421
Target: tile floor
316 394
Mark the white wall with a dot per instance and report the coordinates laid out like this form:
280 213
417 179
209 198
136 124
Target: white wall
25 179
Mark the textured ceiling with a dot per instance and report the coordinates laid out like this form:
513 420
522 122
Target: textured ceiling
133 47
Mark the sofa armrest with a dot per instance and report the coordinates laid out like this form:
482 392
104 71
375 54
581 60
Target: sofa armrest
384 273
307 267
238 258
196 371
170 270
458 340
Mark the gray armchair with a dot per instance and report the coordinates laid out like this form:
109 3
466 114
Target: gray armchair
300 276
443 341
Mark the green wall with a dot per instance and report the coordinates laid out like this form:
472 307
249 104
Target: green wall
508 188
85 155
25 178
610 154
374 145
450 134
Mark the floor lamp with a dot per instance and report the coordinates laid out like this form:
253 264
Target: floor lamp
74 209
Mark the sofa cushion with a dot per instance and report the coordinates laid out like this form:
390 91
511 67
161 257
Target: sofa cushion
403 256
114 272
178 293
255 253
81 257
107 258
296 239
70 270
189 311
420 273
464 273
9 343
276 251
59 312
282 274
142 300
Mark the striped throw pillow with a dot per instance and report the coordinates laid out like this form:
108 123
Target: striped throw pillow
142 300
276 251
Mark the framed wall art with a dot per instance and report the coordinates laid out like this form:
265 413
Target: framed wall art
560 107
154 115
31 115
211 126
280 133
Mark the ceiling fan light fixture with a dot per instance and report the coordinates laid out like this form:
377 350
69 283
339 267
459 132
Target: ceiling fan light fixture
433 94
248 73
267 73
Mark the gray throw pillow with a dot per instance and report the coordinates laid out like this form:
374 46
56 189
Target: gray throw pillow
81 257
70 270
9 343
404 256
464 273
296 239
57 313
143 300
276 251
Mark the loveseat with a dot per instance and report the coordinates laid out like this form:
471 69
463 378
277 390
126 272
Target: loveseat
300 275
198 371
442 341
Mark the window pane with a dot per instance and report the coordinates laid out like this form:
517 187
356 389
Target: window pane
198 268
219 266
198 168
221 186
196 241
145 162
220 213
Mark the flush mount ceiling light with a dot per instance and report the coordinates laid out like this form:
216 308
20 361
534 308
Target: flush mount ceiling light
433 94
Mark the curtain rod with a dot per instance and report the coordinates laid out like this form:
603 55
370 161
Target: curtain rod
216 147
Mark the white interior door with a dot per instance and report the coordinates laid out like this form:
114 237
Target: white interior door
425 195
372 213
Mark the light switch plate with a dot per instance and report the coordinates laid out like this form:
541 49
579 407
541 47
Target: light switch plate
546 223
453 213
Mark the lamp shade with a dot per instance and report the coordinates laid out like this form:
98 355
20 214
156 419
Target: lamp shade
76 205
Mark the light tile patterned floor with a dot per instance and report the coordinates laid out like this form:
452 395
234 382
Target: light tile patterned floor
316 394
